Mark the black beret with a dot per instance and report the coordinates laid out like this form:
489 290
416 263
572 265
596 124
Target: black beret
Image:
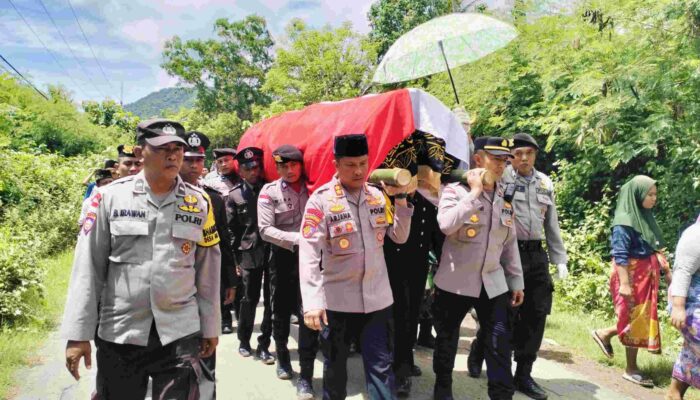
480 142
524 140
286 153
498 146
125 150
224 151
159 131
354 145
197 144
249 157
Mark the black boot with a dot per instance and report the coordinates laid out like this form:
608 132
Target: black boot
403 386
425 336
525 384
305 390
443 387
284 365
264 356
244 349
475 360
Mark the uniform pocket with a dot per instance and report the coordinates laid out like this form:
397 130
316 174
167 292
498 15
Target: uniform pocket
544 199
131 242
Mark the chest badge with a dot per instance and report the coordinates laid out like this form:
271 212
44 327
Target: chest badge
380 220
471 232
337 208
190 205
507 205
337 230
374 201
380 237
344 243
186 248
474 218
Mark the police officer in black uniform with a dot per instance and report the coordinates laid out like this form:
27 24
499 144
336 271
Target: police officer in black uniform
190 172
408 267
251 253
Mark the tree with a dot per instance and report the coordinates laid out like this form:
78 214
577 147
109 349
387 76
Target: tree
110 113
319 65
389 19
227 72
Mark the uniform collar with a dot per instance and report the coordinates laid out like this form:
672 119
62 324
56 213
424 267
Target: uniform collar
141 187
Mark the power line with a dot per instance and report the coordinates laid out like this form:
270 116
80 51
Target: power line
22 76
89 45
87 75
51 53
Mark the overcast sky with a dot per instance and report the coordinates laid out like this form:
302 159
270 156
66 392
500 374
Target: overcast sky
128 36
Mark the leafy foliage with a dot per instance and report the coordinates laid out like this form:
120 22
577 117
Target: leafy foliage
228 72
318 65
109 113
40 189
389 19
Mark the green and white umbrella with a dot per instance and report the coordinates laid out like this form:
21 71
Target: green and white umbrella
443 43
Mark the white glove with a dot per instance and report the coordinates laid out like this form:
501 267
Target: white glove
562 271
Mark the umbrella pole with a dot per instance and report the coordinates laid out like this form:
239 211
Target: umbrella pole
452 81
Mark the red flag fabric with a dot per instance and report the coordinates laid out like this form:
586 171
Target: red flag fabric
386 119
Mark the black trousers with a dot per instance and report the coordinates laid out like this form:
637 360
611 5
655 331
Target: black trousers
253 280
449 310
286 300
376 334
123 369
207 379
408 287
532 316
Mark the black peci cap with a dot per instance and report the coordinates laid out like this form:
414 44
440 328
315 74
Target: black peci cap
102 174
354 145
197 144
524 140
158 132
249 157
110 164
498 146
286 153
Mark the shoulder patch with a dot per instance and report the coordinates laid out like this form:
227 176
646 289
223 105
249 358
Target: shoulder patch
211 235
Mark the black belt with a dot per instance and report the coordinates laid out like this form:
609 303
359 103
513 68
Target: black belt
529 245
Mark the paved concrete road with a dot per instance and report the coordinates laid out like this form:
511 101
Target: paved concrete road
240 378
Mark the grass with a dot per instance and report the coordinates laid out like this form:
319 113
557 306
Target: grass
572 330
19 345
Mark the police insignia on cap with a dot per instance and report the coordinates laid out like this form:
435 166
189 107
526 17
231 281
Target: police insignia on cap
277 158
169 129
194 140
128 149
504 143
248 154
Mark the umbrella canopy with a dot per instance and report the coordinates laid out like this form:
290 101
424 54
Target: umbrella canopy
443 43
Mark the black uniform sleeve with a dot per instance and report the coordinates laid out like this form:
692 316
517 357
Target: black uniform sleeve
228 275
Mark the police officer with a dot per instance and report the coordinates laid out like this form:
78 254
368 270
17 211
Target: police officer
536 220
280 212
344 282
128 163
148 255
479 267
408 267
225 177
251 253
191 170
103 177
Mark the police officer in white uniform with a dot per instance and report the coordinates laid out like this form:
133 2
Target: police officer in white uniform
536 221
479 267
145 280
344 281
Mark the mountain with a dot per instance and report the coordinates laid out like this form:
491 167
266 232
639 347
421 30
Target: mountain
156 103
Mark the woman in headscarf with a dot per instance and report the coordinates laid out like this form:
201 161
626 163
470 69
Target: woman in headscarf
634 282
685 312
